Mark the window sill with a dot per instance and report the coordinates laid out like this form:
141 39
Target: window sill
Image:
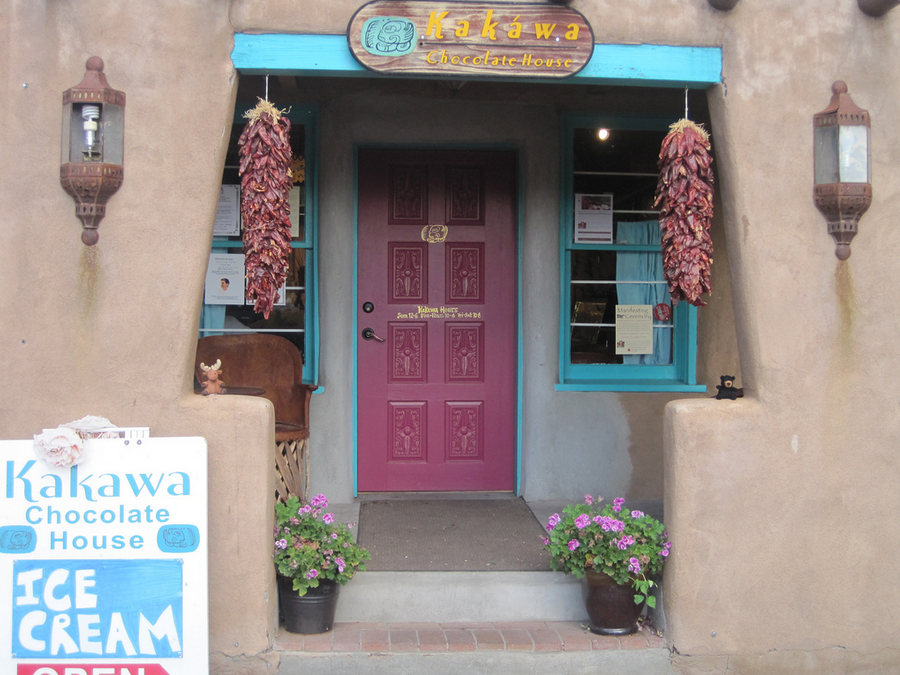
634 385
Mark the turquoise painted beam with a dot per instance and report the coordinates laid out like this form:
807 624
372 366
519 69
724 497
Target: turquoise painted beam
653 65
329 55
281 53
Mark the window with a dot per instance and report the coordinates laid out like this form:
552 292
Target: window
295 317
611 265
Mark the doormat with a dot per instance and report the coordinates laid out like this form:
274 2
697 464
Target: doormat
463 535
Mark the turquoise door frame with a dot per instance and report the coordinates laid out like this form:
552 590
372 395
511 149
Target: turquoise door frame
627 65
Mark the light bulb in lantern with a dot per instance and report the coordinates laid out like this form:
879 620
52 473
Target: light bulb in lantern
90 114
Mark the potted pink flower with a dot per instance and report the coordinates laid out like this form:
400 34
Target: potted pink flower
618 553
314 556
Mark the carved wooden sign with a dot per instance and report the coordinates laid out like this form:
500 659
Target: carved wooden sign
470 39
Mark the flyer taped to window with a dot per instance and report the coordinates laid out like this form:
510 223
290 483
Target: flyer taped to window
225 279
593 219
228 213
634 329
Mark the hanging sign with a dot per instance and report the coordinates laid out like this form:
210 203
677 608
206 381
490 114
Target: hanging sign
103 564
470 39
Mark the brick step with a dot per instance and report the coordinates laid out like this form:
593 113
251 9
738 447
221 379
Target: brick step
434 648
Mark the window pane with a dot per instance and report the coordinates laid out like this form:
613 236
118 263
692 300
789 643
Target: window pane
289 314
625 151
854 143
594 294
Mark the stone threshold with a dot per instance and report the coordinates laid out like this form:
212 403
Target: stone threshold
526 636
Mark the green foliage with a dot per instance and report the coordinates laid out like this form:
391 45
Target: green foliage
310 546
629 546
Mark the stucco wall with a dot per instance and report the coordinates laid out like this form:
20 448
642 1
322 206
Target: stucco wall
111 330
781 505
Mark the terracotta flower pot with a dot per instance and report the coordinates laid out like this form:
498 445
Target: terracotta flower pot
610 607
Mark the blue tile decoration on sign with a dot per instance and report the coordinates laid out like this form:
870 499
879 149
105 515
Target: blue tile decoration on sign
389 36
178 538
18 539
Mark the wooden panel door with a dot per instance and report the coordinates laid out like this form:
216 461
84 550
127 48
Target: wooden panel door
437 293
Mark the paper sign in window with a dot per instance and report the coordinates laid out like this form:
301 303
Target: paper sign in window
225 279
593 219
228 213
634 329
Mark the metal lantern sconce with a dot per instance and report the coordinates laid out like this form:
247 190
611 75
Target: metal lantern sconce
843 189
93 145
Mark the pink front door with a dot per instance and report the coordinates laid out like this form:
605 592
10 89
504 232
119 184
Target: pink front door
437 376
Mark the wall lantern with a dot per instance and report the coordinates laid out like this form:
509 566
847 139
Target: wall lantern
93 145
843 190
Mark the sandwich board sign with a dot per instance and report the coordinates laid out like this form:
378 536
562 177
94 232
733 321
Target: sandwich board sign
103 564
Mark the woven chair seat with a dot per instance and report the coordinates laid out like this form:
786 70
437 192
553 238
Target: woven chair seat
285 431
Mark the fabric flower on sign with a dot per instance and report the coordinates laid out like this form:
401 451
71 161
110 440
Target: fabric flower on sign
91 426
61 447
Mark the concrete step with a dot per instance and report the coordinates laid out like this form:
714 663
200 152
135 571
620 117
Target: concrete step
460 597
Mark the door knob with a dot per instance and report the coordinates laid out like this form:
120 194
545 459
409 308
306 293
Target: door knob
369 334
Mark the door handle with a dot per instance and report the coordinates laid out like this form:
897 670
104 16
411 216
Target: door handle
369 334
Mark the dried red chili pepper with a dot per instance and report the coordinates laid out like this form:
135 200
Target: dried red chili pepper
685 188
265 162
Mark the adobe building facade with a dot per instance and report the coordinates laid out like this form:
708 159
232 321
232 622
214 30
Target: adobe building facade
780 504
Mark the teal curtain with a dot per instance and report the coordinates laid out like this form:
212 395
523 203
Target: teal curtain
212 317
643 266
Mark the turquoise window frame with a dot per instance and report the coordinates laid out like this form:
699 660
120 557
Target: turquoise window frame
308 116
681 374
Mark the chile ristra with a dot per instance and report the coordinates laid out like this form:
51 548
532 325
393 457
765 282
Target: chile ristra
265 152
685 189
